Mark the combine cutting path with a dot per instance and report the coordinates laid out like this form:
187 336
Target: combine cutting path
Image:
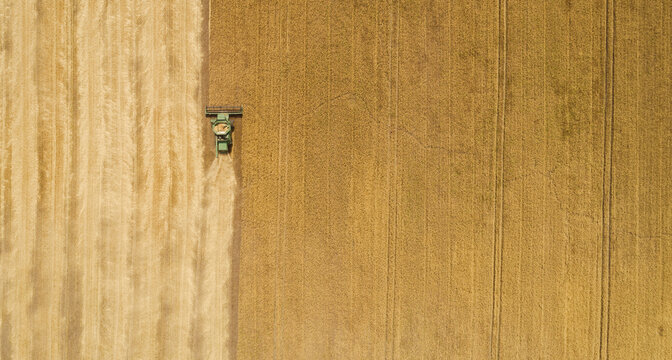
115 218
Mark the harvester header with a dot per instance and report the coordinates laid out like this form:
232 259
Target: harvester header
227 109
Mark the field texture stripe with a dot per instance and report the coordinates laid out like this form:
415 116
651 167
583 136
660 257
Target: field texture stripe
499 174
607 183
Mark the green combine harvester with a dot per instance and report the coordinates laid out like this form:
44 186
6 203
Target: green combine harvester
222 125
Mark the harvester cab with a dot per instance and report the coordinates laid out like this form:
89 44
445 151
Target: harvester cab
222 125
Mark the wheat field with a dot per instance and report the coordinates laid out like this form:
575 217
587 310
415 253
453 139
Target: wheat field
410 179
458 179
115 217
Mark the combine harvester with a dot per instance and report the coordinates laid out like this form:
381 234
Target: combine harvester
222 125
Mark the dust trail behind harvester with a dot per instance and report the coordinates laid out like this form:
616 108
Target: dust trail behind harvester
114 227
215 254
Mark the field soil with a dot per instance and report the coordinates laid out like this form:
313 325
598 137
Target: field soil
115 216
450 179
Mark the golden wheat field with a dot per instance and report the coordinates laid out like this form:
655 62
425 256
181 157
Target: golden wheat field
410 179
451 179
